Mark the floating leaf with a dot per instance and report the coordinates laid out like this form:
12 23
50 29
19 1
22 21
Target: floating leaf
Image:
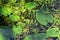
43 17
53 32
14 17
30 5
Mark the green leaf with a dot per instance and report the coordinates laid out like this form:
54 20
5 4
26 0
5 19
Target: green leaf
0 10
17 29
6 11
43 17
5 33
30 5
2 36
14 17
40 36
30 37
12 1
53 32
22 2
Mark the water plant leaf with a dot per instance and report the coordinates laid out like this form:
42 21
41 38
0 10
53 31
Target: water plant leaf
40 36
43 17
6 11
53 32
14 17
17 29
30 5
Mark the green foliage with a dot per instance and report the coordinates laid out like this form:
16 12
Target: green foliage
43 17
17 30
14 17
40 36
6 11
2 36
19 19
30 5
12 1
30 37
53 32
5 33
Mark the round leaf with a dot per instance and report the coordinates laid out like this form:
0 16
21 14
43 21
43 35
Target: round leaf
43 17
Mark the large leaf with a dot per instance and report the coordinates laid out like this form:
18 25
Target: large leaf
5 33
2 37
53 32
40 36
43 17
14 17
30 5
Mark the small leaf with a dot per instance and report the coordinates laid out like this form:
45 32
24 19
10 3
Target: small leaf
5 33
41 36
6 11
17 29
30 37
30 5
53 32
14 17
